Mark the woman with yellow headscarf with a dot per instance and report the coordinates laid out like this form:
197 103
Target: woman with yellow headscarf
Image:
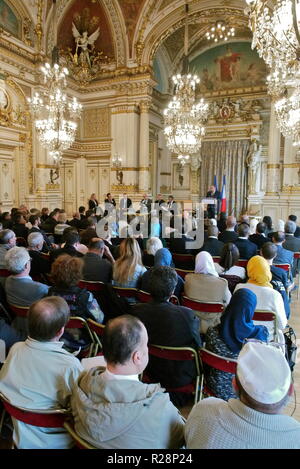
259 282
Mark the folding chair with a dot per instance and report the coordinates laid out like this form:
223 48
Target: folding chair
47 418
268 317
216 259
297 256
183 272
4 273
242 263
20 311
98 331
212 360
203 307
143 296
285 267
79 442
91 286
76 322
183 260
21 242
178 354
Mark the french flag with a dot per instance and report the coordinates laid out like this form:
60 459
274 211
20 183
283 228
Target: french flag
223 196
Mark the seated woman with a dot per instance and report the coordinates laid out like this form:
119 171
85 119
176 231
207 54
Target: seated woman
268 299
152 246
205 285
128 268
163 257
66 272
227 339
227 267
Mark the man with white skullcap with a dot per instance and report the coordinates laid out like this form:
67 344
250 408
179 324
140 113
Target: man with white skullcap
254 420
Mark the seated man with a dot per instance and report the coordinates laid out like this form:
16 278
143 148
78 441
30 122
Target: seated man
72 242
170 325
212 244
7 241
259 238
39 264
254 420
40 374
229 235
112 408
95 267
245 247
284 256
35 228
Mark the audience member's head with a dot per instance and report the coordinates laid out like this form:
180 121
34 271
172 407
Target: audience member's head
263 378
243 230
290 227
245 219
278 237
229 256
91 222
66 271
45 211
34 211
259 272
35 241
18 218
81 210
237 321
71 237
280 225
125 346
47 318
293 218
62 217
269 251
231 222
34 220
261 228
268 222
163 281
153 245
55 214
130 257
204 264
8 237
97 246
213 231
163 257
17 260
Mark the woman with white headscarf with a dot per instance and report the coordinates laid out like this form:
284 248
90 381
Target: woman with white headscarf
205 285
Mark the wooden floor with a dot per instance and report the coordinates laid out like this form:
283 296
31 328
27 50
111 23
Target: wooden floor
294 405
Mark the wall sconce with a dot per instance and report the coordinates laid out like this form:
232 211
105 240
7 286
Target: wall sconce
117 163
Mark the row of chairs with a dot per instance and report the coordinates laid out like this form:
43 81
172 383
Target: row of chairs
58 418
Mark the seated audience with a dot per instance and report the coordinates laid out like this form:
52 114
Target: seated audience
20 289
268 299
96 268
138 416
6 221
228 337
7 241
19 228
44 214
245 247
71 239
162 257
81 211
227 267
283 256
279 227
255 419
259 238
128 268
269 224
60 226
152 246
294 219
39 374
39 264
76 221
205 285
229 235
35 228
170 325
66 272
279 276
291 243
50 223
221 223
90 231
212 244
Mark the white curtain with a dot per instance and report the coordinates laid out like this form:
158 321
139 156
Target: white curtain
226 158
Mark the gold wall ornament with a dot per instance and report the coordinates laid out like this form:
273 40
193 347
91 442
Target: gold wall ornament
96 122
39 24
124 188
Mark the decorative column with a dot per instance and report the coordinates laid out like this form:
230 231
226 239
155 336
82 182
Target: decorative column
273 166
144 147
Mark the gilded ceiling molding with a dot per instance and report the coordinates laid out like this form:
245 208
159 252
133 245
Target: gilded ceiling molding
138 40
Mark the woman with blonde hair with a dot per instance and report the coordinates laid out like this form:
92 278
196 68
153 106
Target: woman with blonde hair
128 269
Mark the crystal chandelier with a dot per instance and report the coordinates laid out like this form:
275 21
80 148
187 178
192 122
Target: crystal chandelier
276 37
54 113
220 32
183 117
